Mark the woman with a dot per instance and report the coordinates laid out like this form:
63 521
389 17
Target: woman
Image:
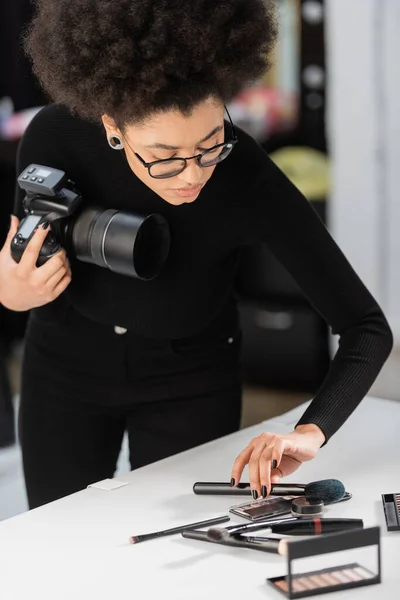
138 125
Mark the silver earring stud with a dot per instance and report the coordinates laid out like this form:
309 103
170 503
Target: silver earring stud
115 142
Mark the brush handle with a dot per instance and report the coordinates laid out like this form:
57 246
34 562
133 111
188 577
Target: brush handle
244 489
221 489
290 526
135 539
316 526
258 526
266 545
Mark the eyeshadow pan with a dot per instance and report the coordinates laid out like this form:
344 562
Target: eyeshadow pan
318 580
282 584
352 574
308 584
329 579
341 577
364 573
298 586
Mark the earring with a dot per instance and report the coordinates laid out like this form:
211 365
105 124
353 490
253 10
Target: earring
115 142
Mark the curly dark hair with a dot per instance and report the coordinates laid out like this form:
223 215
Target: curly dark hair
129 58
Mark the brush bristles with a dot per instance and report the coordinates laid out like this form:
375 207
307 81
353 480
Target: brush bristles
327 490
283 548
216 534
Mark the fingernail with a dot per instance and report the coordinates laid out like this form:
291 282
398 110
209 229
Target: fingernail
274 464
264 491
45 224
255 494
232 482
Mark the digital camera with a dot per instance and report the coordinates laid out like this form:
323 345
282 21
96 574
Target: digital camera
123 242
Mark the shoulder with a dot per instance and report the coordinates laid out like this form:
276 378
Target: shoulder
56 122
262 191
56 138
247 162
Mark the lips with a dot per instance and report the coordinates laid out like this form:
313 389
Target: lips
188 192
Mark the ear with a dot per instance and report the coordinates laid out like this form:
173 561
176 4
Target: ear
109 125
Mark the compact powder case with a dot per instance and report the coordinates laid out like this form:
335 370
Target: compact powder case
303 508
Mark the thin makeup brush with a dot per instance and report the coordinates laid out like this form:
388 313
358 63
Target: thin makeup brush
271 545
135 539
292 526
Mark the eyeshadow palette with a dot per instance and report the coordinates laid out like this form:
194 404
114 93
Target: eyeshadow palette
326 580
296 584
391 506
266 508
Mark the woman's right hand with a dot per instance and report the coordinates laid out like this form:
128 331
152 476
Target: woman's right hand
23 285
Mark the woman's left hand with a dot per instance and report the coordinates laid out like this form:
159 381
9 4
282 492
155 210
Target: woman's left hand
271 456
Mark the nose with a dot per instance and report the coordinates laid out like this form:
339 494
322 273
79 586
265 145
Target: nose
193 173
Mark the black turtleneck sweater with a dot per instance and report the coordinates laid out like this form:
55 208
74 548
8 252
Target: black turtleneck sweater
247 200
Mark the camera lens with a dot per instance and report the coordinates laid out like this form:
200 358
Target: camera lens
123 242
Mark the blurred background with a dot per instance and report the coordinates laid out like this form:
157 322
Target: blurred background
328 115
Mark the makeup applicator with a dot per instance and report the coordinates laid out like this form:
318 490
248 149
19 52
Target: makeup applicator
327 490
291 526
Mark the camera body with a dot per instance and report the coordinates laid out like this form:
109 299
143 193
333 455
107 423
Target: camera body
47 200
128 244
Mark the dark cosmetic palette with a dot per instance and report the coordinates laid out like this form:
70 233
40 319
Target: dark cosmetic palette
332 578
325 580
391 506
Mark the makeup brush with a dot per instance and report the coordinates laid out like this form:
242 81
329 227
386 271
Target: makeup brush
327 490
135 539
273 545
290 526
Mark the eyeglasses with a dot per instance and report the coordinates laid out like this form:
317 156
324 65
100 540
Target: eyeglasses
170 167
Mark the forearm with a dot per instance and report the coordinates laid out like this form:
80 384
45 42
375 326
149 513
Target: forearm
314 432
361 355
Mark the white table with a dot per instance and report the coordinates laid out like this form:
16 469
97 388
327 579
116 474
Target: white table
77 548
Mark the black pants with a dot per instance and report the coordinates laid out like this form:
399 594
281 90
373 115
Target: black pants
83 386
7 431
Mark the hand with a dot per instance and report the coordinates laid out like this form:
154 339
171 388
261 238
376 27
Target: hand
271 456
23 285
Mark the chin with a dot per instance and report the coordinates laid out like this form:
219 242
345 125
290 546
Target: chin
177 201
180 201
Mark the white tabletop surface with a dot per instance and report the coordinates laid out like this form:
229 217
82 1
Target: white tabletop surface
77 548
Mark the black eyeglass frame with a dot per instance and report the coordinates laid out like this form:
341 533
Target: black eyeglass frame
232 142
